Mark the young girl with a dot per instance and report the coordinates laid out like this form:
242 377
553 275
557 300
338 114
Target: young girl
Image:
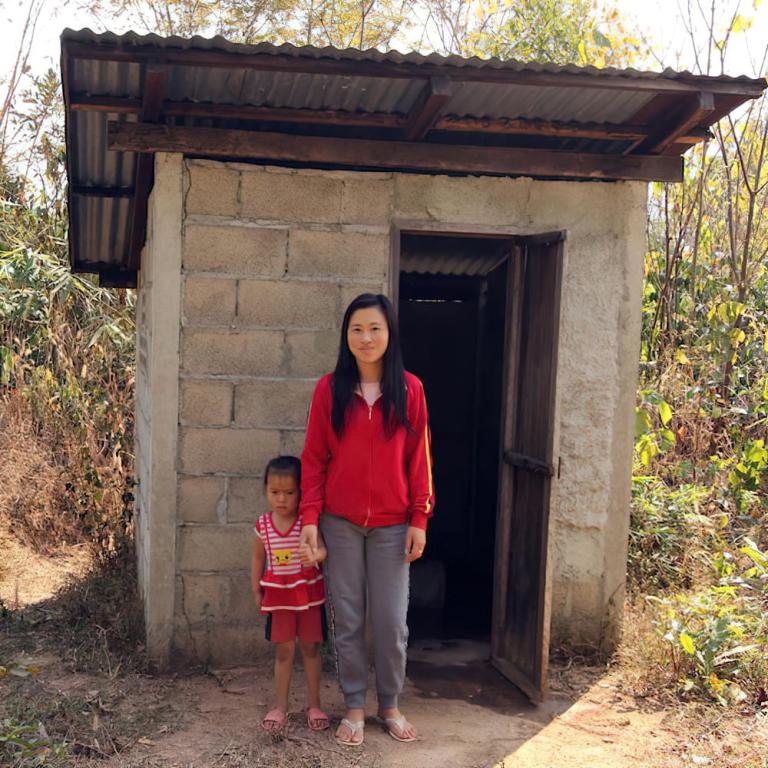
368 482
288 587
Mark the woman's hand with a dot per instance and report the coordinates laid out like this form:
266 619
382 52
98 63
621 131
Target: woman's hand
415 541
308 558
308 542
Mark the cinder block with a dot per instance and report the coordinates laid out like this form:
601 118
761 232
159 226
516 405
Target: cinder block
298 197
212 190
206 402
311 353
366 201
343 254
468 200
273 403
227 450
220 645
210 597
246 500
209 301
284 304
254 353
214 548
292 442
350 291
235 249
201 499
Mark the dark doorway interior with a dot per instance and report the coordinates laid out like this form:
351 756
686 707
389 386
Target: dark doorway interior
453 310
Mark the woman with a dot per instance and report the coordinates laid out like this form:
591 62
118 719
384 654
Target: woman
367 479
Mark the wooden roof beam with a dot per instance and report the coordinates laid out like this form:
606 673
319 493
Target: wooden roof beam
424 113
399 155
211 110
694 111
151 108
328 65
519 126
566 130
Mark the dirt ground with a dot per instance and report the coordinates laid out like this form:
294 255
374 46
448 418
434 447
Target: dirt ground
468 715
27 578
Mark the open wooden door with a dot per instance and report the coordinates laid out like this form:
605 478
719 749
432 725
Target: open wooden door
520 629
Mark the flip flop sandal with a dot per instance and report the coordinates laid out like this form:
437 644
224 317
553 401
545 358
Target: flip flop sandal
315 715
278 717
354 727
390 723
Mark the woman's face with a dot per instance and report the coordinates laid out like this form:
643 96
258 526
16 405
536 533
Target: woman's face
368 335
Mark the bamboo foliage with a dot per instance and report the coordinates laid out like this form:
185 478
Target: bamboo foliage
66 381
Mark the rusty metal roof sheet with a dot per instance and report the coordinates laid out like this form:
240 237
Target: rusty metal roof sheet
349 82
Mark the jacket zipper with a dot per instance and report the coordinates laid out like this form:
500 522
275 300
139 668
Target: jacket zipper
370 458
370 462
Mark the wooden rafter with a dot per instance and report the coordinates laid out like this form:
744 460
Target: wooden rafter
84 103
404 69
117 278
526 127
694 111
433 97
152 103
363 153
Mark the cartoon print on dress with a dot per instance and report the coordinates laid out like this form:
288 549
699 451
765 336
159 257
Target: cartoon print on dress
281 556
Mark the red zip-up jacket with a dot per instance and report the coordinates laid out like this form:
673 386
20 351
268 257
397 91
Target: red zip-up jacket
364 477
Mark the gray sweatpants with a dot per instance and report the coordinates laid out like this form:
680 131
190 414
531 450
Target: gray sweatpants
366 568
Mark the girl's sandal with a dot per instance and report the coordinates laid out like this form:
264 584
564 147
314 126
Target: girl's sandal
354 728
275 721
317 720
399 723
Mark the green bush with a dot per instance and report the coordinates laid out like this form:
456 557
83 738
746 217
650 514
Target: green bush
717 638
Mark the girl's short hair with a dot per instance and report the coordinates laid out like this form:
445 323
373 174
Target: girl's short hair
284 465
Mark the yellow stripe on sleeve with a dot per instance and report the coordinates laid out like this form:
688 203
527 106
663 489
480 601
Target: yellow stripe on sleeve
429 465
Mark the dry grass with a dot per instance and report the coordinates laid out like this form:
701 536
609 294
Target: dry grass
643 657
33 493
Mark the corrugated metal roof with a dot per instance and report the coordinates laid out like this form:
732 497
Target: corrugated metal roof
476 265
425 254
99 226
219 43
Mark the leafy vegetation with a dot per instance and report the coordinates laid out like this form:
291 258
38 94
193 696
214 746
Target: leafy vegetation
66 368
699 537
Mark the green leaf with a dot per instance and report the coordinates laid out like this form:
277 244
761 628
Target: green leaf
668 438
756 556
600 39
643 422
687 643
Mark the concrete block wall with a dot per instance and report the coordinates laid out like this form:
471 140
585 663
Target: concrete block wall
143 420
157 387
269 259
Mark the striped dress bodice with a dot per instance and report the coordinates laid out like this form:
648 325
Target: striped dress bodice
288 585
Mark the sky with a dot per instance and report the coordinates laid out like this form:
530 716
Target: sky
659 20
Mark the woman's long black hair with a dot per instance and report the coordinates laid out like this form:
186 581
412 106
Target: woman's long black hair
346 377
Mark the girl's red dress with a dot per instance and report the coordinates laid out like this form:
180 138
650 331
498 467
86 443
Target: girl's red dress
288 585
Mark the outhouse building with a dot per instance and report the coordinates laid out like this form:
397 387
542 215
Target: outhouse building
249 193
